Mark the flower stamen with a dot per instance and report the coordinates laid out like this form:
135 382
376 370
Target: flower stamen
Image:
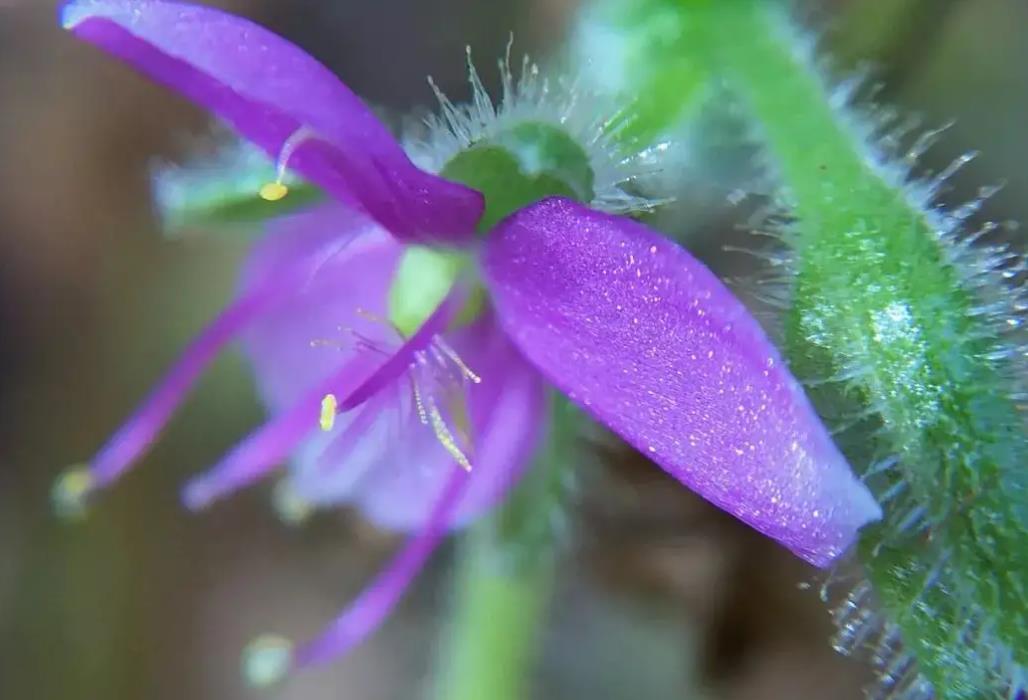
291 508
449 352
277 189
445 437
437 378
419 403
446 373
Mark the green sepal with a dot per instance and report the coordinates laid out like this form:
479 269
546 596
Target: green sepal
520 166
221 191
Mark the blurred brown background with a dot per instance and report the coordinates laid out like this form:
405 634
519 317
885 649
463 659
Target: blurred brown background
660 597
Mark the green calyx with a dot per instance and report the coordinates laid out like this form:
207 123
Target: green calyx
521 165
222 192
515 168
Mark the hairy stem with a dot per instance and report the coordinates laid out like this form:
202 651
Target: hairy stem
882 303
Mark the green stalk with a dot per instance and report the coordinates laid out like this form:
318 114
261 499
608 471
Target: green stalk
496 629
505 580
882 304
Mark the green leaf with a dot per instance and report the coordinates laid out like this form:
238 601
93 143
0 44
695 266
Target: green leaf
221 191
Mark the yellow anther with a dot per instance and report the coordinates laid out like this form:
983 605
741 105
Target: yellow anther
70 492
446 438
329 404
273 191
277 190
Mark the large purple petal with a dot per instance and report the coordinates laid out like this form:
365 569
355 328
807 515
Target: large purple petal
647 340
269 89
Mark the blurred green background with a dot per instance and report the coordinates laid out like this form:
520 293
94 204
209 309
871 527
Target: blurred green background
659 596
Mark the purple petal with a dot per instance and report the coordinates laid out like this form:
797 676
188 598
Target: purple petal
269 446
273 442
311 331
366 613
647 340
268 289
270 89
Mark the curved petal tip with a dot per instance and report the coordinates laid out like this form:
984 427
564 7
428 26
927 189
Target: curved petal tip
285 101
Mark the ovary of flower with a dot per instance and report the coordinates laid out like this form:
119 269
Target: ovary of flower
277 190
327 419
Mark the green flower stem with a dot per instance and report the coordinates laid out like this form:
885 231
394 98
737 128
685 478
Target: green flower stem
505 580
663 83
496 629
881 305
508 560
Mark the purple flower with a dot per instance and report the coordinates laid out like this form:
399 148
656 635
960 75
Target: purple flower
424 430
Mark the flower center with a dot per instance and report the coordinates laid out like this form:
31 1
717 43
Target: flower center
438 380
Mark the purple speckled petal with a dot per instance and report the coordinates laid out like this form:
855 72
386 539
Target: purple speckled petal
364 615
648 341
269 90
